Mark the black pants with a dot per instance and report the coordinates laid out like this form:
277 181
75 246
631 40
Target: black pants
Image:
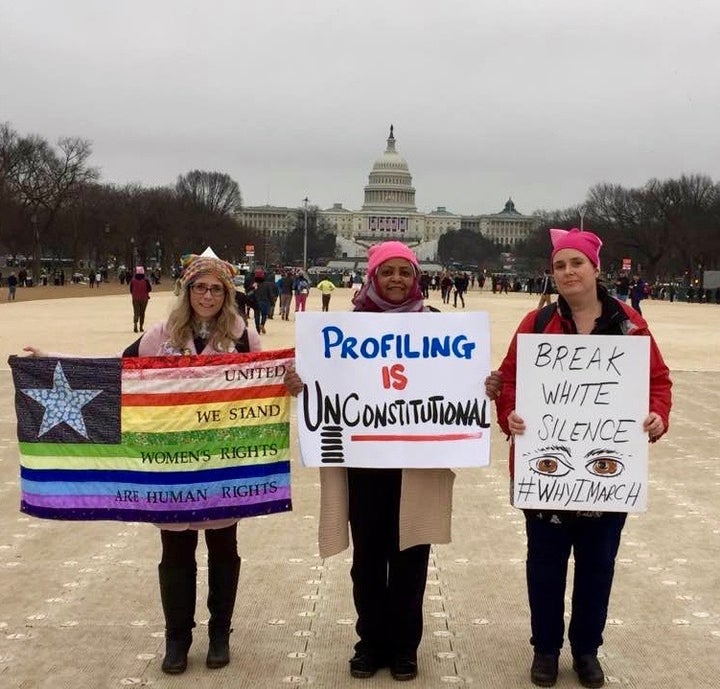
388 584
326 302
260 312
139 306
178 547
594 541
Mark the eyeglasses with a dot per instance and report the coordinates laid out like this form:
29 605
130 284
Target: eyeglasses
200 288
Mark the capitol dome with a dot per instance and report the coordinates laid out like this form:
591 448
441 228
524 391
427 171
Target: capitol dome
389 185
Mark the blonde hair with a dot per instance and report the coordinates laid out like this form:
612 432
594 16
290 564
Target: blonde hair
224 333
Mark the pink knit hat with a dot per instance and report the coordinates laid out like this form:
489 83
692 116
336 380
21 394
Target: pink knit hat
139 270
581 240
379 253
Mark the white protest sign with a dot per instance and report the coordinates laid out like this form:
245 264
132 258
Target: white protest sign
583 399
393 389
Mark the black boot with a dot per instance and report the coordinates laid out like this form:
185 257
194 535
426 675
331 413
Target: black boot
177 592
222 588
544 670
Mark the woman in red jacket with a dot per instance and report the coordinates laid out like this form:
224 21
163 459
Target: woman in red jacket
584 307
140 289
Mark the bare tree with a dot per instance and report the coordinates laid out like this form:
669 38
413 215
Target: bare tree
10 208
321 238
43 181
216 192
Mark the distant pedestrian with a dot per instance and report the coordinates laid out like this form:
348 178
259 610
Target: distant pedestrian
12 286
460 285
425 284
622 287
140 289
91 279
356 283
545 290
285 285
301 288
637 293
326 288
446 285
265 291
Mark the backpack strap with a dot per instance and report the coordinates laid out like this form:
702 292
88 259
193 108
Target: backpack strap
242 344
542 317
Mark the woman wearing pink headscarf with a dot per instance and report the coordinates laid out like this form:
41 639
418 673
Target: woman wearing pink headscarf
583 307
394 514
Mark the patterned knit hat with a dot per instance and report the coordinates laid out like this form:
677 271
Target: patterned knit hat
194 265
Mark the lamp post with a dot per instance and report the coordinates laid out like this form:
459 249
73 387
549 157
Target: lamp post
305 202
581 211
36 248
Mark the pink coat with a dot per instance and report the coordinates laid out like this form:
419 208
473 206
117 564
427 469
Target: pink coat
155 343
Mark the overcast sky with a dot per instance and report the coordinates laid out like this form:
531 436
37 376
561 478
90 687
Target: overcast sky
534 99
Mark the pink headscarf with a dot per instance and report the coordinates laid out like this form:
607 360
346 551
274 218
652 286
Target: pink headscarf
369 299
581 240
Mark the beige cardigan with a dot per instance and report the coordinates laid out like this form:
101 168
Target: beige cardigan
425 508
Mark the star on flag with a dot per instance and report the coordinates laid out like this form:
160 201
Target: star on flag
62 404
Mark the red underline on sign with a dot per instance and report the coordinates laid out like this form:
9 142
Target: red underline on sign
414 438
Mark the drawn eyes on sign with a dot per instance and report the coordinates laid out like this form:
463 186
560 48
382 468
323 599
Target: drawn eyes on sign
605 466
549 465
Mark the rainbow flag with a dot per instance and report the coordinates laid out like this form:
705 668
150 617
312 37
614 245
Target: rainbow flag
159 439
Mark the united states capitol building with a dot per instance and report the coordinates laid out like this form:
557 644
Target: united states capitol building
389 212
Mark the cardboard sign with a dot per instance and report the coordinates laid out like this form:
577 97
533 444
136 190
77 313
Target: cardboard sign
583 399
393 390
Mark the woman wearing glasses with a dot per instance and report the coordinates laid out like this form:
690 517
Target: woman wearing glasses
204 320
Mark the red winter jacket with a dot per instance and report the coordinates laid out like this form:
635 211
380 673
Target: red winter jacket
617 318
140 288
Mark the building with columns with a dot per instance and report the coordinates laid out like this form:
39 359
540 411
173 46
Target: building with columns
389 211
507 227
269 221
